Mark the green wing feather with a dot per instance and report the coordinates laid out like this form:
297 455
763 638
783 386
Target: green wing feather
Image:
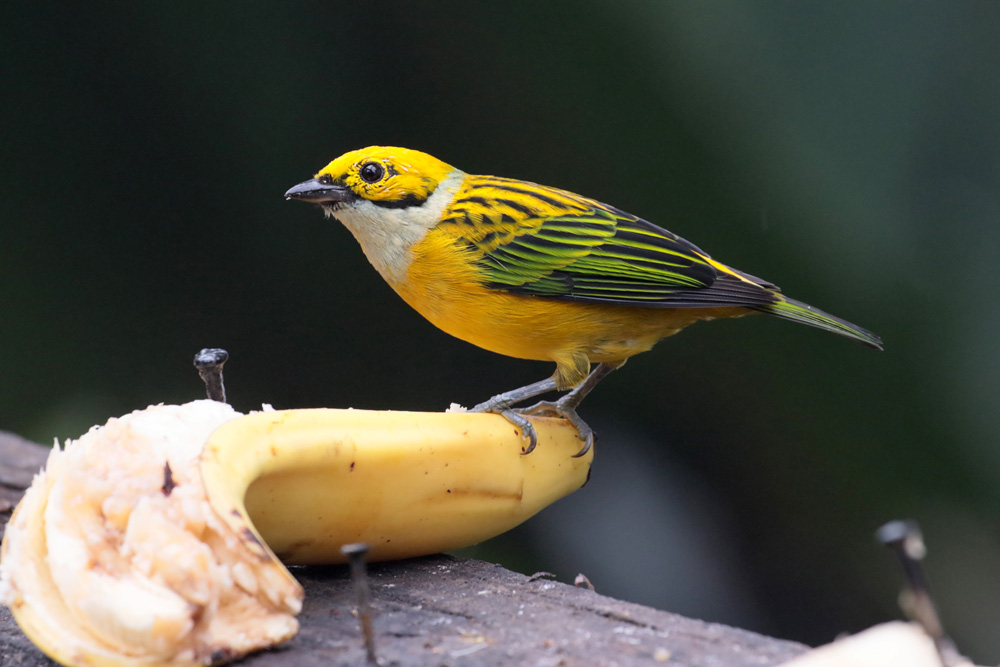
608 256
604 255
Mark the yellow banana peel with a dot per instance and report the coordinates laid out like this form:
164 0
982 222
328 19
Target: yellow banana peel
151 540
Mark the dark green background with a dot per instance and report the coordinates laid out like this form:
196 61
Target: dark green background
847 151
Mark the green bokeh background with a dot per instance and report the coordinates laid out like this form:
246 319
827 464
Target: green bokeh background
849 152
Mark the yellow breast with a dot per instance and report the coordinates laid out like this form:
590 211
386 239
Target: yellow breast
444 286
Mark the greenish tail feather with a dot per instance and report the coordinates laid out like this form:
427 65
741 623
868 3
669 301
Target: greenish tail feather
796 311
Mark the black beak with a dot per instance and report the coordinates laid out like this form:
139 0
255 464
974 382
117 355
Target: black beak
316 192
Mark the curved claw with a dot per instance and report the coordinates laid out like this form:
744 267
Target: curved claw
500 405
527 430
564 407
558 409
591 437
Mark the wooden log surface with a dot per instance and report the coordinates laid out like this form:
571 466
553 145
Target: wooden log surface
440 610
20 459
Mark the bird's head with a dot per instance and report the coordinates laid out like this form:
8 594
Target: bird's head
384 176
389 198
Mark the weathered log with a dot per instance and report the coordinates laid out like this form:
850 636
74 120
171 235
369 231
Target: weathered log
445 611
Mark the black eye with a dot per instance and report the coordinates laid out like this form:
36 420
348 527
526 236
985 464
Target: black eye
371 172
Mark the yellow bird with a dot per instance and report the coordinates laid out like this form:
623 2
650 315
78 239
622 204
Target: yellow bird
534 272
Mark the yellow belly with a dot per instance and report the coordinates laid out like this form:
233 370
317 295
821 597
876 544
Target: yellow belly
571 334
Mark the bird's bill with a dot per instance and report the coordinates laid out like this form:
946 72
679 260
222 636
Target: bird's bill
317 192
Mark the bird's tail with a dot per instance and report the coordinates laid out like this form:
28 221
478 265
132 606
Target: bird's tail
796 311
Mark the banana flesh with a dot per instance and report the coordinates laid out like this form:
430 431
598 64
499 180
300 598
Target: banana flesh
151 540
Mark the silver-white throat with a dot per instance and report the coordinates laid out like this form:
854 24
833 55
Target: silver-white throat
387 235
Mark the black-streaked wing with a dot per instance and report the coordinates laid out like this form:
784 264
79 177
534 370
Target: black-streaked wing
608 256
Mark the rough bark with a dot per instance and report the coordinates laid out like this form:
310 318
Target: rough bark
20 459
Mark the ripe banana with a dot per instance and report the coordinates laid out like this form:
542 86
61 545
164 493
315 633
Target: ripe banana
151 540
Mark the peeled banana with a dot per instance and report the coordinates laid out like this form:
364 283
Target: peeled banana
151 540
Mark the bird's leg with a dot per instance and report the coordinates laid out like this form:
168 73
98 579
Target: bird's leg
566 406
514 396
501 405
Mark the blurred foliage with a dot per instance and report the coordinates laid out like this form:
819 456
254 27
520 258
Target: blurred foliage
848 152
